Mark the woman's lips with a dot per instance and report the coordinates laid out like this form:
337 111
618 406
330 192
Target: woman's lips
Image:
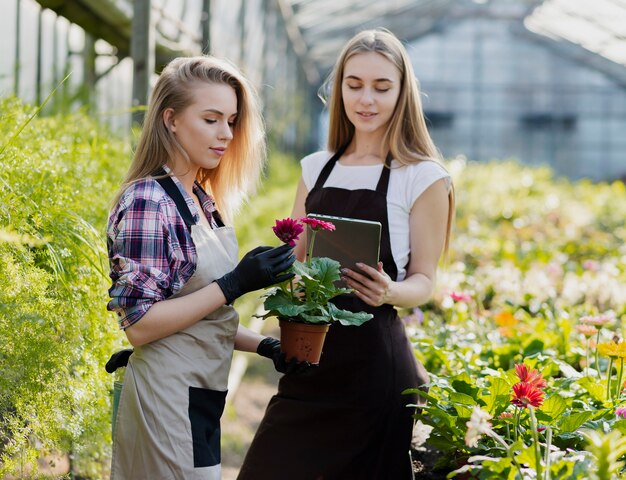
219 151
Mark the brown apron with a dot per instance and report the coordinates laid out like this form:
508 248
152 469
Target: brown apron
348 420
168 423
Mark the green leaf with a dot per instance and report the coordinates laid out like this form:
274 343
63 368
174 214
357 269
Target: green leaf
425 395
536 345
463 383
327 271
348 318
499 396
571 422
462 404
551 409
596 390
314 318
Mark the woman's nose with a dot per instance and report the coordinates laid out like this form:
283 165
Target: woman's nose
366 96
226 132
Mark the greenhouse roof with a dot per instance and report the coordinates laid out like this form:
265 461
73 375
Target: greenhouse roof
323 26
318 29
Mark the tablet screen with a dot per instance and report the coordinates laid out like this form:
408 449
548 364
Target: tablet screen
352 241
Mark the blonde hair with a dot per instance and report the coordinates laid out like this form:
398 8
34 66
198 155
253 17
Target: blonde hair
406 136
238 172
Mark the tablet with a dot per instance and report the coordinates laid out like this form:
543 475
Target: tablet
352 241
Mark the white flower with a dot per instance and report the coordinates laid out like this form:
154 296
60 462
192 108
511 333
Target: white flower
477 426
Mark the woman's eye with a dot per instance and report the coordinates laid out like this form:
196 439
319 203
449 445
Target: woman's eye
208 120
382 90
354 87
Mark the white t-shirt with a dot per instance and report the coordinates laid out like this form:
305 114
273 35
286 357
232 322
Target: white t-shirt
406 184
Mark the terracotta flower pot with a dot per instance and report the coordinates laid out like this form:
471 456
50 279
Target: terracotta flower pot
302 340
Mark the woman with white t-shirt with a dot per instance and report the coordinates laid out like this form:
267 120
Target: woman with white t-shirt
348 419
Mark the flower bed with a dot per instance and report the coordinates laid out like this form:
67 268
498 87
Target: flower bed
537 277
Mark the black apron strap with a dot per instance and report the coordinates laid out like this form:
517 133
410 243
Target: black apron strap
383 181
172 190
323 176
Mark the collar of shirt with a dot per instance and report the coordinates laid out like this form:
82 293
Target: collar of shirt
207 202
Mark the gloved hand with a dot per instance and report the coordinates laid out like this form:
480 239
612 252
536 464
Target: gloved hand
270 348
259 268
118 359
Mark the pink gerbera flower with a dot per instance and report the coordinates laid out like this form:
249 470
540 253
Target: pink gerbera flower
525 394
532 377
288 230
317 224
597 320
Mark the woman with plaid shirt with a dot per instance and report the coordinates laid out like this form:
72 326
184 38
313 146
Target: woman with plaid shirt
175 273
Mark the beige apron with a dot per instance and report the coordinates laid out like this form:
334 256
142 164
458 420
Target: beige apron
168 423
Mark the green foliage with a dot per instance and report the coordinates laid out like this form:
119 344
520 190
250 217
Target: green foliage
57 176
531 255
307 298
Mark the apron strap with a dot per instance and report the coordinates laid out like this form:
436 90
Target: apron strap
172 190
323 176
383 181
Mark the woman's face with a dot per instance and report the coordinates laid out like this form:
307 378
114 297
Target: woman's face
205 128
370 90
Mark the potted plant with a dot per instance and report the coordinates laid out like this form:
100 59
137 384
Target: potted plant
302 304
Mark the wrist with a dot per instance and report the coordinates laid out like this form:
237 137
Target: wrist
267 347
228 287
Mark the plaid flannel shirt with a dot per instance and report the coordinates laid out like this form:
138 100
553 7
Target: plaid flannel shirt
151 252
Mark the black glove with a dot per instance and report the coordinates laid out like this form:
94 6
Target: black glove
259 268
270 348
118 359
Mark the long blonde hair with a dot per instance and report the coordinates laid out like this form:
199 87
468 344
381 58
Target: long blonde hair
240 168
406 136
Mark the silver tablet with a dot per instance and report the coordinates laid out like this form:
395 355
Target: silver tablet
352 241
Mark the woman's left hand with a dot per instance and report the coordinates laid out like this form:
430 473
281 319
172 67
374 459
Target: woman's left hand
372 286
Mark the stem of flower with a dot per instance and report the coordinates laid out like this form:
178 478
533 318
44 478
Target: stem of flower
598 355
547 457
310 255
619 381
518 413
608 378
533 426
587 355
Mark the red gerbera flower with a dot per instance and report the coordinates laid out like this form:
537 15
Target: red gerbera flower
525 394
461 297
530 376
288 230
317 224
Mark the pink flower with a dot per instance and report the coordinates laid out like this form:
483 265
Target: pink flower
461 297
620 412
598 320
317 224
525 394
587 330
288 230
591 265
532 377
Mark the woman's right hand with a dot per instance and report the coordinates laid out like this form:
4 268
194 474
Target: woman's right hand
259 268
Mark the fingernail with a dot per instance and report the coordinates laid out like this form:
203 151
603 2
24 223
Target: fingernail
360 265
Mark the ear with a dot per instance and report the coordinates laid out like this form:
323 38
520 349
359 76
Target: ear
169 118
